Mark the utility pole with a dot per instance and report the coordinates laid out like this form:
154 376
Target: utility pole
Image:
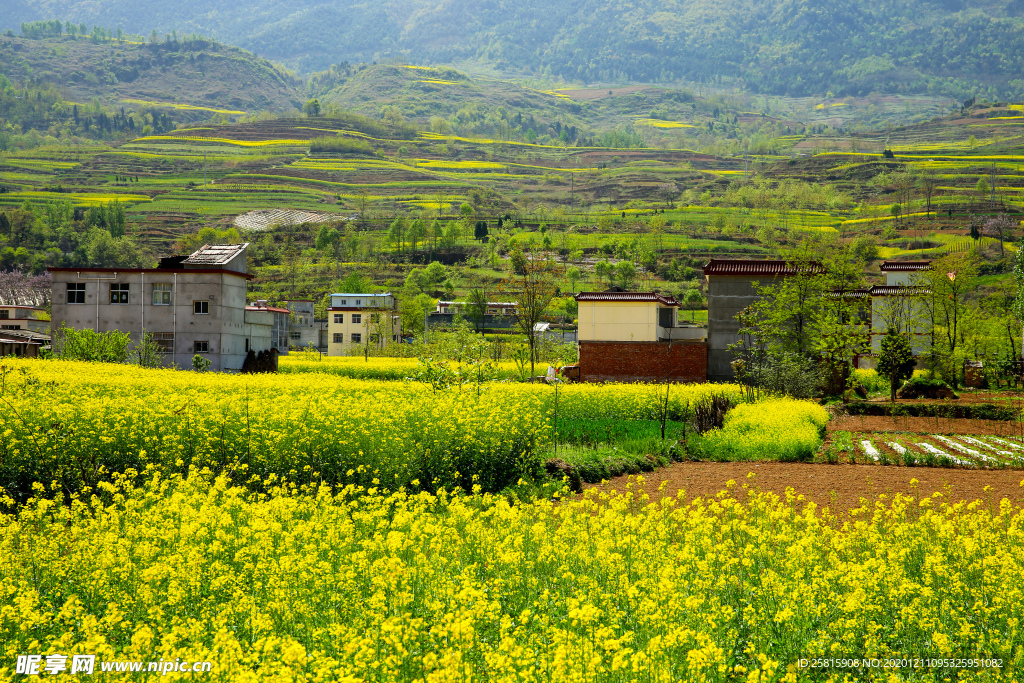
204 169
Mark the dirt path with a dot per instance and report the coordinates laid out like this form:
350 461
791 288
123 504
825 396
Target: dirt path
839 487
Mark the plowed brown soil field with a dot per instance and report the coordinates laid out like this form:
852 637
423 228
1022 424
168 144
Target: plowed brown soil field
923 425
839 487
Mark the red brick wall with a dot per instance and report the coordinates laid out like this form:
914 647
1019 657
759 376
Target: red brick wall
607 361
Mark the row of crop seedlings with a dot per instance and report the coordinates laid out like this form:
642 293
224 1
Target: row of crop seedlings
948 451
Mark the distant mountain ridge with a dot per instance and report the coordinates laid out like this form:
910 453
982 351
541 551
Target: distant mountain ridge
786 47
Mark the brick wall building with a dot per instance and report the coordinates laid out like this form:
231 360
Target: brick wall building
635 337
614 361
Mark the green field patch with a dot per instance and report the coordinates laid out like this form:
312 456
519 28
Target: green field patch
328 183
42 164
74 198
227 141
185 107
470 165
658 123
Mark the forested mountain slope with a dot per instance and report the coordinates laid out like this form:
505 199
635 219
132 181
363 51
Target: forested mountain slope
198 73
795 47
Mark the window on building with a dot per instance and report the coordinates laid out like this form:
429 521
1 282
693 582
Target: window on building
10 327
295 334
119 293
339 338
76 292
357 318
375 317
202 347
359 302
201 307
247 346
5 315
339 317
162 293
164 341
357 338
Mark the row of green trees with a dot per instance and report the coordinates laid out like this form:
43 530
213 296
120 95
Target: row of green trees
804 333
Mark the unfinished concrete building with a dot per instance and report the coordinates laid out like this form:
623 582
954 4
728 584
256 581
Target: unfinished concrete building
192 305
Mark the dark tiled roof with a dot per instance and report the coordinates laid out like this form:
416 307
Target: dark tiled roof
627 296
850 294
898 290
751 267
904 266
215 254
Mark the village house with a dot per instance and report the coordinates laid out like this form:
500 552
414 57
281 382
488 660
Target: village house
500 315
24 318
17 342
191 305
355 319
637 337
731 288
900 303
305 329
280 321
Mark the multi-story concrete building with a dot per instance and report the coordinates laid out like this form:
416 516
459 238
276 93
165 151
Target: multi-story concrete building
24 318
731 288
306 331
280 325
899 302
500 315
191 304
361 318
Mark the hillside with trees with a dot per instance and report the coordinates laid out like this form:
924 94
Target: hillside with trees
193 75
782 47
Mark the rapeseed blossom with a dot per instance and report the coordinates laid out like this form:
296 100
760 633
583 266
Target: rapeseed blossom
76 423
309 585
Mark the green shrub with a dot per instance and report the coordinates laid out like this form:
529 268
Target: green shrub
872 381
90 346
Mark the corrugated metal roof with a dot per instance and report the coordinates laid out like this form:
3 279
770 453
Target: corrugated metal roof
904 266
25 335
899 290
215 254
271 309
627 296
752 267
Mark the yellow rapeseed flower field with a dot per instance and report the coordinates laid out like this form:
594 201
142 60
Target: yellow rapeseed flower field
306 585
781 428
77 423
